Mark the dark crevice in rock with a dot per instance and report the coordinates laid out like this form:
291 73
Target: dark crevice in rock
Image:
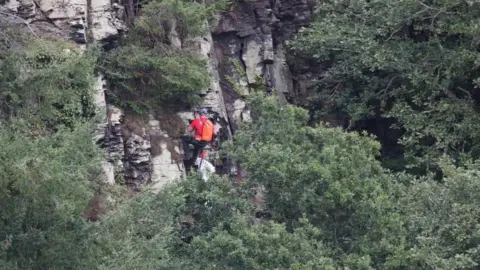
240 54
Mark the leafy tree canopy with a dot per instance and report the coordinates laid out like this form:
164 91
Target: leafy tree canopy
412 61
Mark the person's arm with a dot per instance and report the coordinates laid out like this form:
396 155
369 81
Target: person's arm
191 126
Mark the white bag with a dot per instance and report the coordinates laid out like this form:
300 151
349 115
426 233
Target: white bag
205 168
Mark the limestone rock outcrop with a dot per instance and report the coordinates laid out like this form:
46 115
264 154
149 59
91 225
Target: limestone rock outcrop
68 19
251 35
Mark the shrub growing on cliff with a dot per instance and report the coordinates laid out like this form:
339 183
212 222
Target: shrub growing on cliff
188 18
46 83
153 67
145 79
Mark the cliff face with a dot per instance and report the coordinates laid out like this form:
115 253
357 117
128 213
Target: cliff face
252 34
147 150
69 18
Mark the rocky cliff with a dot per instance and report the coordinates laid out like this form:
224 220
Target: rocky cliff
250 34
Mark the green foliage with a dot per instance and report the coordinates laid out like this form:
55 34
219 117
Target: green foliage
332 206
154 79
267 246
137 235
44 187
149 231
369 218
414 61
145 233
330 176
150 70
47 83
49 165
441 220
242 75
189 18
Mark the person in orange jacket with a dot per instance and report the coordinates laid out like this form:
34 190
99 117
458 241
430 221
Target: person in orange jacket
204 134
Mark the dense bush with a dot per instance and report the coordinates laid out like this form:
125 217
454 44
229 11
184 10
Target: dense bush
150 70
46 83
144 79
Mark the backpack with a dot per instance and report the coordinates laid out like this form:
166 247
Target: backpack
207 131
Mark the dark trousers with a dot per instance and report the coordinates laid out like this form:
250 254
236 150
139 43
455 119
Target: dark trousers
197 146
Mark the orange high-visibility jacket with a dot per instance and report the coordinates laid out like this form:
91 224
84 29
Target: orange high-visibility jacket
203 129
